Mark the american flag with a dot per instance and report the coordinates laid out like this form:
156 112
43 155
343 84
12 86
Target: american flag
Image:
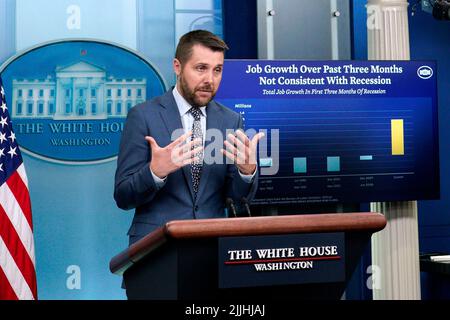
17 261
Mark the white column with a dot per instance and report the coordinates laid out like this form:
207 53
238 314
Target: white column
88 98
46 100
74 93
387 30
59 99
395 250
101 110
35 101
266 47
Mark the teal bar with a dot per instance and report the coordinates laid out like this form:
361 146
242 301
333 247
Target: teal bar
333 164
265 162
366 158
299 165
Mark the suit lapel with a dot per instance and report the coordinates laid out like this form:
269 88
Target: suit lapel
172 120
213 121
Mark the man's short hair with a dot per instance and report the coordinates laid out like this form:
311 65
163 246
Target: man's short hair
202 37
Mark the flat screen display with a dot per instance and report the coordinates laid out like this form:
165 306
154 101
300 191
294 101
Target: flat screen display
339 131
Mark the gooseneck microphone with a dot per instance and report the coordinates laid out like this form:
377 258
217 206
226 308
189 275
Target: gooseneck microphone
246 206
230 206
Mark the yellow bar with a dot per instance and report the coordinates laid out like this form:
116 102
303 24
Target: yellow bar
397 137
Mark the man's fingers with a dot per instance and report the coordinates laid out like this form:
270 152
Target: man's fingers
194 143
240 156
243 137
237 142
237 158
230 148
228 154
256 138
152 142
193 152
250 145
181 150
241 151
190 161
187 154
181 139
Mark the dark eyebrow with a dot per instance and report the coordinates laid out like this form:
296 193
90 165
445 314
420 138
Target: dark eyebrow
203 64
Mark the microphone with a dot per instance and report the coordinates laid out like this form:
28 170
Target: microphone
246 205
230 206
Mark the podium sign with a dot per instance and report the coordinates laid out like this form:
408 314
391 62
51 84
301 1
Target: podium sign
305 256
281 259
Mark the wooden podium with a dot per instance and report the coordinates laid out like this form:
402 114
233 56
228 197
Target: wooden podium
182 259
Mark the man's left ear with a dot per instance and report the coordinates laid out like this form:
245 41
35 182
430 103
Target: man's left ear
176 66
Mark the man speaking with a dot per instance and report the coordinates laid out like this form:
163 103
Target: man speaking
167 179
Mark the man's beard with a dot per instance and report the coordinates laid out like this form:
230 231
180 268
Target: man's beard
190 97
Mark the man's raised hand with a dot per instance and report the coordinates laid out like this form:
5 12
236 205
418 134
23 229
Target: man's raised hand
174 156
242 151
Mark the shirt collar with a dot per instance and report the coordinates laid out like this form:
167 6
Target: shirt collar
183 105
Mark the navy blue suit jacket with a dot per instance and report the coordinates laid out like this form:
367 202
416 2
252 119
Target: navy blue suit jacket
134 184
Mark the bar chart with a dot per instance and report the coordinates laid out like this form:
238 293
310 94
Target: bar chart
339 147
364 145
